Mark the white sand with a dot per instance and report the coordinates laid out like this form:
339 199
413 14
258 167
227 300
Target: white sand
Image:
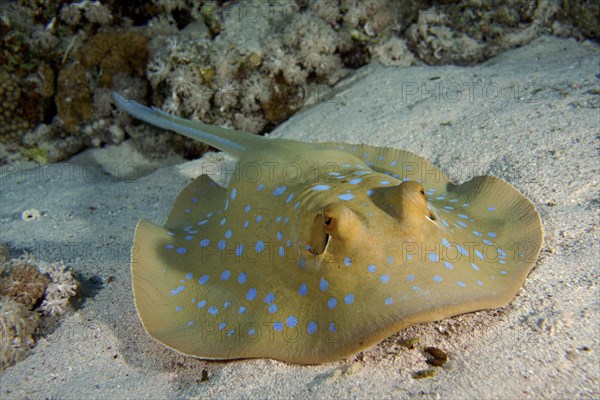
540 138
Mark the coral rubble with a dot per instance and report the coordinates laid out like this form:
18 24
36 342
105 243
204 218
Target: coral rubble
26 295
17 325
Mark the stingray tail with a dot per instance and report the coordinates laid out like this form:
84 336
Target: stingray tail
228 140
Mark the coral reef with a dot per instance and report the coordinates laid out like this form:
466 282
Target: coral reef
115 52
467 33
585 14
17 324
62 287
247 65
56 58
73 99
24 283
28 289
267 60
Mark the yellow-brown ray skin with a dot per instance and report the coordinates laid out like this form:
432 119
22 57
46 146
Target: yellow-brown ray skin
372 240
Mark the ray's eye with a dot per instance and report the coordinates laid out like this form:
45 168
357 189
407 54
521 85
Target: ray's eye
334 222
318 234
328 223
422 191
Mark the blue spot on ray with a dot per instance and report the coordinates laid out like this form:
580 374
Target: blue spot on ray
332 302
291 321
279 191
478 254
303 290
323 284
177 290
260 246
239 250
269 298
251 295
321 187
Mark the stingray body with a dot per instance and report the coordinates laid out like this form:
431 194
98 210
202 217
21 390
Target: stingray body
318 250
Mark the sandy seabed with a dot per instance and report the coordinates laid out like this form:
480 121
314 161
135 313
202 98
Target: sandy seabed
529 116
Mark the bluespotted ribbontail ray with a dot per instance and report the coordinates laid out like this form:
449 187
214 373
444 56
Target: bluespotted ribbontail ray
316 251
